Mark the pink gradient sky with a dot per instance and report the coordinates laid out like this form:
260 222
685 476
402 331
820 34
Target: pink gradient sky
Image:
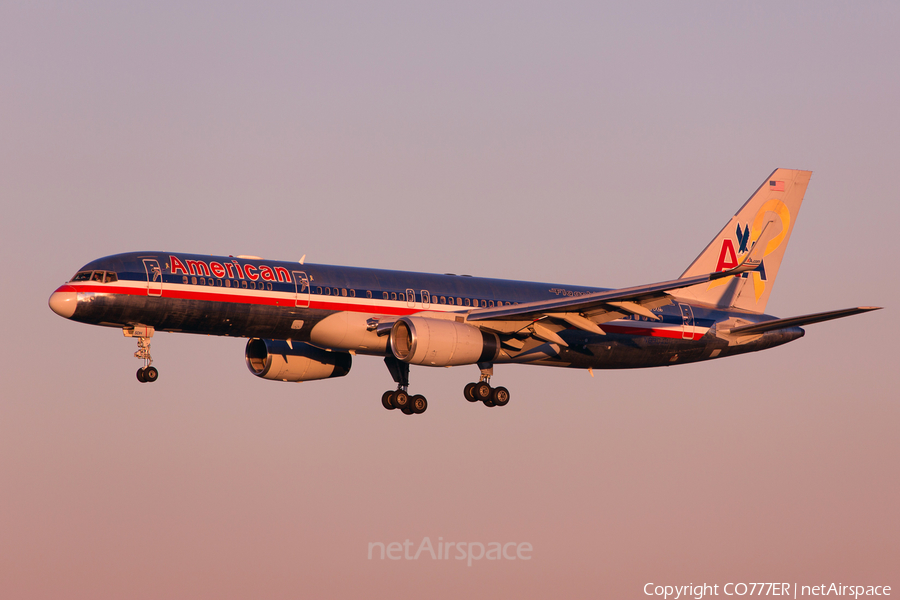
575 143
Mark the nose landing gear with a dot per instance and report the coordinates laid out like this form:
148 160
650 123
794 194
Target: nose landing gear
147 373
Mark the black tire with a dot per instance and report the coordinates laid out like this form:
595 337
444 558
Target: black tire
482 391
418 404
406 410
500 396
489 402
467 392
386 400
151 374
400 399
140 375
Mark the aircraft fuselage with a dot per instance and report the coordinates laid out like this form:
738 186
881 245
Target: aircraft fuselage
328 306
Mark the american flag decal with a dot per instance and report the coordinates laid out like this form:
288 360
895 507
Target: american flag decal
776 186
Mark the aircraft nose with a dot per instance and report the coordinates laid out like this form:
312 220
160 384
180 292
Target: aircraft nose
63 301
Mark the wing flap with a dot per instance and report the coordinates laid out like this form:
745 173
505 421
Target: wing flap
576 320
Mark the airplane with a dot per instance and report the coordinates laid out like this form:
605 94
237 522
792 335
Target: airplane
306 321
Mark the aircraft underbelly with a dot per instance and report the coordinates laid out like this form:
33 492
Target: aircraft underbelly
199 316
348 331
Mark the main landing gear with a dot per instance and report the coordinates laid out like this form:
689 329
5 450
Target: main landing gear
408 405
147 373
483 392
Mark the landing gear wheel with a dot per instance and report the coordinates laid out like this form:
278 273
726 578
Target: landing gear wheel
418 404
482 391
151 374
500 396
406 410
400 399
489 402
467 392
140 375
386 400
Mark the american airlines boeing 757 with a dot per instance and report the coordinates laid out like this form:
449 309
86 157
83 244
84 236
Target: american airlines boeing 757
306 321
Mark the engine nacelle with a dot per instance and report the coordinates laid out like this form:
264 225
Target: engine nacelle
275 359
440 343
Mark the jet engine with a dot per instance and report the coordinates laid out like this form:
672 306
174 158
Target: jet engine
277 360
440 343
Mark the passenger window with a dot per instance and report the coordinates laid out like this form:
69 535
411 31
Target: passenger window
385 295
244 284
426 297
194 280
393 295
228 283
467 302
344 292
368 293
202 281
401 296
459 301
184 279
269 286
490 303
443 300
327 291
353 293
334 291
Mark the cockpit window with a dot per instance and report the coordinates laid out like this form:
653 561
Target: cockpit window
98 276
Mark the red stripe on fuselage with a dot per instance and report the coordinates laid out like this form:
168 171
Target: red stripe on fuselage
242 298
245 298
673 333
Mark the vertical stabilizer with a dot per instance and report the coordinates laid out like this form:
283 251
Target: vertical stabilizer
768 218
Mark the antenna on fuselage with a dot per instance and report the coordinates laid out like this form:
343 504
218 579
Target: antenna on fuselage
302 258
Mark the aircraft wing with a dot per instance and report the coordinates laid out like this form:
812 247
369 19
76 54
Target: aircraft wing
589 310
758 328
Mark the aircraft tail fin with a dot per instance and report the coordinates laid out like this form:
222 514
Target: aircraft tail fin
766 220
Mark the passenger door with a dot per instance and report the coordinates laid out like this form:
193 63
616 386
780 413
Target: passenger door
687 317
154 277
301 289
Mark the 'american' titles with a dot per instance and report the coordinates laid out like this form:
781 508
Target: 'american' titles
234 270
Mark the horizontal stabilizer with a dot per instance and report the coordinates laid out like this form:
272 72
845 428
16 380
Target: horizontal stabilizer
759 328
